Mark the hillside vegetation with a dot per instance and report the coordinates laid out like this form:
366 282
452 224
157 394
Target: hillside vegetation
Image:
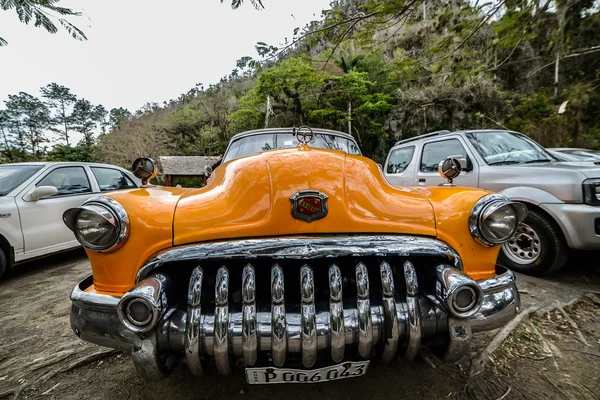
388 70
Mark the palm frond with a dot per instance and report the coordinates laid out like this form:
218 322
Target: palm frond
235 4
42 20
75 32
3 42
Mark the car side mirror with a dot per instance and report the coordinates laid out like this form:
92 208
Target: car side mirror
41 191
380 166
465 162
208 171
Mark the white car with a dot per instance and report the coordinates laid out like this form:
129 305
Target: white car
33 198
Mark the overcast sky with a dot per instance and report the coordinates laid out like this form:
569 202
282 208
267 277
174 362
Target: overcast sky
141 51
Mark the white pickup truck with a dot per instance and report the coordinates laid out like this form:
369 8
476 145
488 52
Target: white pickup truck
563 198
33 198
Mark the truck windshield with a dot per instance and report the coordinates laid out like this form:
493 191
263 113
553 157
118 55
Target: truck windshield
260 142
503 147
12 176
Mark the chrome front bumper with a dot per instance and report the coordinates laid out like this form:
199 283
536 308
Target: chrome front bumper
417 320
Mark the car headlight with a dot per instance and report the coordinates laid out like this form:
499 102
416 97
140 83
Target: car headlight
494 219
591 191
100 224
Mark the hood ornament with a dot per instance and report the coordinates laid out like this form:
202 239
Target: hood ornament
309 205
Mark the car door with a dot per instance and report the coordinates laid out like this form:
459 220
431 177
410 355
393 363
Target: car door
400 166
435 150
43 229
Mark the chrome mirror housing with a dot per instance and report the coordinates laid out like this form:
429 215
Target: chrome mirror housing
450 169
145 169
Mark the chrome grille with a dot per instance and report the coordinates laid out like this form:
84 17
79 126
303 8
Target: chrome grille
295 312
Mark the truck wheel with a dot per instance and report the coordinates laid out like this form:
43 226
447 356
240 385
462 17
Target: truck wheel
536 248
3 264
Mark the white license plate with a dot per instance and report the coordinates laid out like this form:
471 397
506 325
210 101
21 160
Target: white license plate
263 376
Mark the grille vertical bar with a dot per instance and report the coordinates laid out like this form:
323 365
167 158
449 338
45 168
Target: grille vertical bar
365 325
336 314
221 340
192 327
413 311
249 340
391 330
309 317
278 319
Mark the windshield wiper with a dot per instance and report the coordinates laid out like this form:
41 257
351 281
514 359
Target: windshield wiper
504 162
539 160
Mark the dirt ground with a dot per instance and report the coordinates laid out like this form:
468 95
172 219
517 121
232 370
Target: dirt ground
553 352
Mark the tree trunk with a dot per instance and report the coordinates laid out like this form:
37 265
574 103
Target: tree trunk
577 132
65 122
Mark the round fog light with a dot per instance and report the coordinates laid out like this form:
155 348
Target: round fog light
464 299
138 312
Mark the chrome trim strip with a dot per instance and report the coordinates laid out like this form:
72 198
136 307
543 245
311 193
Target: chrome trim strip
193 323
278 318
391 331
221 324
413 311
336 314
309 317
363 306
305 248
249 340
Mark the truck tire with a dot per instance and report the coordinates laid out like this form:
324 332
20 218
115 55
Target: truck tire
3 263
537 248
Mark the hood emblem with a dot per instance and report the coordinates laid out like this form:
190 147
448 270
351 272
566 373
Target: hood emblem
309 205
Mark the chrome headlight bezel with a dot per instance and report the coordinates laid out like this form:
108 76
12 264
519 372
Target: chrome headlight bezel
120 220
484 208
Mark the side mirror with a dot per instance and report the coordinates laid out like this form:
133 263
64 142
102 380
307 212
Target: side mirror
449 168
145 169
41 191
380 166
464 163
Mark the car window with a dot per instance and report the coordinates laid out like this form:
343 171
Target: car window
111 179
400 159
435 152
12 176
258 143
68 181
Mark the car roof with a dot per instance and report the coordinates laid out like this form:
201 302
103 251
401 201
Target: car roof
44 163
446 132
290 130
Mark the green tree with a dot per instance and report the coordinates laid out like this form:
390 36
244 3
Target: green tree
84 119
68 153
117 116
43 13
60 99
30 118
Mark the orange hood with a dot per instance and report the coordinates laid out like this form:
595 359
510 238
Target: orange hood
250 197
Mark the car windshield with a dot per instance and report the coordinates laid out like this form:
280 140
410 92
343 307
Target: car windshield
503 147
12 176
260 142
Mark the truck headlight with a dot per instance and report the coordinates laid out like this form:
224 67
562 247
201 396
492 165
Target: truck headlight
100 224
591 191
494 219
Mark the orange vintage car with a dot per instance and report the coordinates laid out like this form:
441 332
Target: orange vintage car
297 262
